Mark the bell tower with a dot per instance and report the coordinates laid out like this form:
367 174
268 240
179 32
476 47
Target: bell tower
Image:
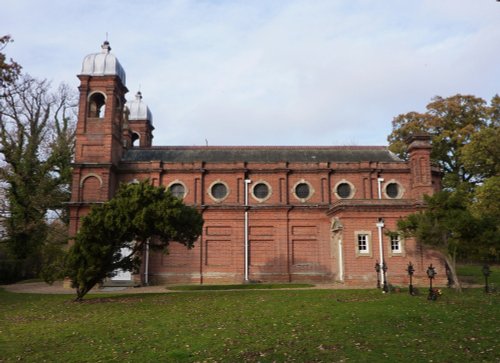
140 122
100 114
99 145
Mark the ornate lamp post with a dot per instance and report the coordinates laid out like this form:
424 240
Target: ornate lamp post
411 270
486 273
377 268
431 273
384 270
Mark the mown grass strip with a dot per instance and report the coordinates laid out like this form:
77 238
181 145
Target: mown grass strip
473 274
263 326
237 287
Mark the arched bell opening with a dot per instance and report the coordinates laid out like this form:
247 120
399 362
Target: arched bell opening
136 139
97 105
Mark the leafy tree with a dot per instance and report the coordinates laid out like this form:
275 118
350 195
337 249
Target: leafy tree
486 208
138 214
487 199
36 143
36 150
481 156
446 225
462 221
452 122
9 70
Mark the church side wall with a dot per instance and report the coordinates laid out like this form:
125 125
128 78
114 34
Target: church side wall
289 238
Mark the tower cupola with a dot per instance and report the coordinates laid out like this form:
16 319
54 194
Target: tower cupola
103 64
140 122
138 109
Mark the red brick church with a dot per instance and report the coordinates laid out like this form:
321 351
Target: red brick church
272 213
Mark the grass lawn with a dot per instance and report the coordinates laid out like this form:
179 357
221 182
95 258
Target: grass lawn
251 326
473 274
196 287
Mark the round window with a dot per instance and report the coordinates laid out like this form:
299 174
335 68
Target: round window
261 191
177 190
392 190
302 190
344 190
218 191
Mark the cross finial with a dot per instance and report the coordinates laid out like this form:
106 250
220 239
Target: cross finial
106 48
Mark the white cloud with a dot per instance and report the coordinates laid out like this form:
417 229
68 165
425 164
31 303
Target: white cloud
261 72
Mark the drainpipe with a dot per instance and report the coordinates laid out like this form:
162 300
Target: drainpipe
201 250
247 182
341 261
379 183
146 264
380 225
288 247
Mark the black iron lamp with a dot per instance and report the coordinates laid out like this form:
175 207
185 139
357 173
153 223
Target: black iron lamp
384 270
486 273
410 269
431 273
377 269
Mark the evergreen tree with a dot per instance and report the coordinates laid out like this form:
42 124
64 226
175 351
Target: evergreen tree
138 214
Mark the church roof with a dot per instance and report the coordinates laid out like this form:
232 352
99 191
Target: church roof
264 154
103 64
138 109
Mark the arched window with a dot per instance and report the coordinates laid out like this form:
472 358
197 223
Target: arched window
91 188
136 138
97 105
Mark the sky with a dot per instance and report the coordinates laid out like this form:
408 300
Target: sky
269 72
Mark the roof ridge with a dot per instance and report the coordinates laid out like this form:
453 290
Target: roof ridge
267 147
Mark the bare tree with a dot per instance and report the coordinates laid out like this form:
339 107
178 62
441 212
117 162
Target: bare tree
36 149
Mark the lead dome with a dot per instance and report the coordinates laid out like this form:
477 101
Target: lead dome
138 109
103 64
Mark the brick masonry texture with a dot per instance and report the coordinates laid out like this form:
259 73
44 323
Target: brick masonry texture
291 237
